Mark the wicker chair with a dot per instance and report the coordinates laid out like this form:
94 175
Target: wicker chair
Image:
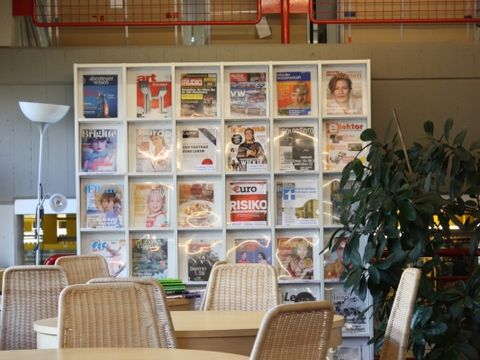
30 293
106 315
81 268
395 342
294 331
242 287
158 301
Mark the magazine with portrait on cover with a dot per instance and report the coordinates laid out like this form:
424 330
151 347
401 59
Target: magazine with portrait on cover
248 250
198 148
99 149
247 147
296 148
295 258
248 94
153 149
201 255
297 202
294 93
112 247
150 205
150 257
198 95
248 202
100 96
103 205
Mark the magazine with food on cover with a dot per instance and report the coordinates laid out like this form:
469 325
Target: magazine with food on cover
150 257
295 257
333 266
292 293
344 90
296 148
198 95
196 205
100 96
248 94
153 149
248 202
99 150
348 304
153 94
201 255
103 205
294 93
247 147
342 143
297 202
112 247
150 205
252 250
198 148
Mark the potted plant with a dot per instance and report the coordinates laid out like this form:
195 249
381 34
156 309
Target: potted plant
398 211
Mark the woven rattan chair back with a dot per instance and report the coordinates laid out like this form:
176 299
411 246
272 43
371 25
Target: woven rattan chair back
81 268
29 293
395 341
242 287
106 315
295 331
156 296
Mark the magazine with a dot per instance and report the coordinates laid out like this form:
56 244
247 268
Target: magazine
99 150
198 95
248 94
103 205
153 149
294 93
150 257
292 293
154 94
198 148
344 88
100 96
248 202
295 258
297 202
253 251
150 205
348 304
196 205
201 257
247 147
342 143
112 247
297 148
333 266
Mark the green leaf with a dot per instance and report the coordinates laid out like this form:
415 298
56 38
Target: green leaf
447 127
460 137
468 350
368 135
428 127
436 329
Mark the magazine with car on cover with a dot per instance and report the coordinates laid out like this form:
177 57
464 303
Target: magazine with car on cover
295 258
102 204
297 202
249 250
196 205
112 247
150 205
153 95
99 150
294 93
150 257
248 202
201 255
296 148
247 147
153 149
248 94
197 148
100 96
198 95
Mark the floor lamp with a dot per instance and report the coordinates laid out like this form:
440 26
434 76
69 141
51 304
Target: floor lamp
43 115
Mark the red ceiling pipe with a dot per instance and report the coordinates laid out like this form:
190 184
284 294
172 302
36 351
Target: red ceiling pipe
285 21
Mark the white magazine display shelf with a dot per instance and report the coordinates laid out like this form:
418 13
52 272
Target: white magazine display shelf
182 164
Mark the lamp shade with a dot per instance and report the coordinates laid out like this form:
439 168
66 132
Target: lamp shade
43 113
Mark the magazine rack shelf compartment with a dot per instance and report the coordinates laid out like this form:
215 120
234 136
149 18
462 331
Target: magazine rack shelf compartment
181 165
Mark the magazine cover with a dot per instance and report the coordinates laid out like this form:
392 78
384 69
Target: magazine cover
153 150
103 205
248 202
201 256
198 95
297 148
297 202
100 96
150 257
333 266
344 90
198 148
196 205
112 247
292 293
248 94
349 305
247 148
99 150
294 93
150 205
154 95
253 251
342 143
295 258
